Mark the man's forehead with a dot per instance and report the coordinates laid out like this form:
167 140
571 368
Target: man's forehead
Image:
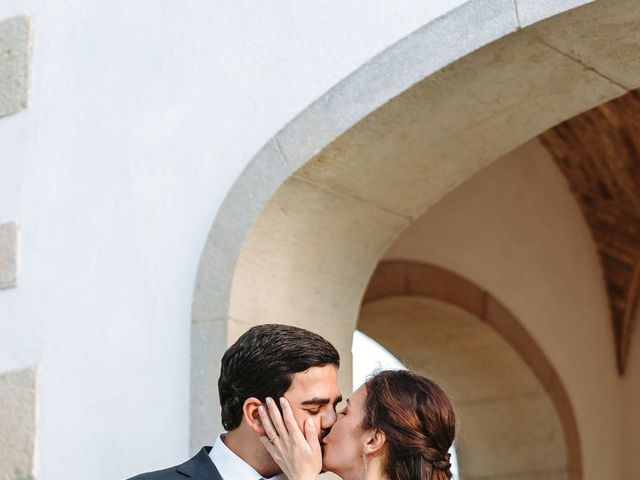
317 382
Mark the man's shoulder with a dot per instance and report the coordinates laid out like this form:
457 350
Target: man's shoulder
166 474
200 466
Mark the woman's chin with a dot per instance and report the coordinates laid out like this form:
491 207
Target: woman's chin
327 464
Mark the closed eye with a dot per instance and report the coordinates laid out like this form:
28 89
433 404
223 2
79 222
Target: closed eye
313 412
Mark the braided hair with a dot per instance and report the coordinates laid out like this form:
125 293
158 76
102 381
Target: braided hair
418 422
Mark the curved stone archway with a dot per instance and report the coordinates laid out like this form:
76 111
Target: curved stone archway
306 223
485 372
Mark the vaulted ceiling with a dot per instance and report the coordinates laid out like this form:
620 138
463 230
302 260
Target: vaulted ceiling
598 151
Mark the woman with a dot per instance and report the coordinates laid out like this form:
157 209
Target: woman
397 426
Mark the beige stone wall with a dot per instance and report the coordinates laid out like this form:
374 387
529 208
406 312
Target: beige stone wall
507 424
18 389
18 409
347 175
515 230
631 410
8 255
409 280
15 61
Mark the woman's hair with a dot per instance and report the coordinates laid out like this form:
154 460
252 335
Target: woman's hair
418 421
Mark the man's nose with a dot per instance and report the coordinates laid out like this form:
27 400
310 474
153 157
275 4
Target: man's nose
329 419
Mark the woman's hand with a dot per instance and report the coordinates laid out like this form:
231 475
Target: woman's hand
298 454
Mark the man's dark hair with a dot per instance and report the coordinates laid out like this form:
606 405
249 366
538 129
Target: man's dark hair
262 364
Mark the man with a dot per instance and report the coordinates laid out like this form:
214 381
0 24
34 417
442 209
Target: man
267 361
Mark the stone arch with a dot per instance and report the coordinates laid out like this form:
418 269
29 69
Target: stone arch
315 209
406 279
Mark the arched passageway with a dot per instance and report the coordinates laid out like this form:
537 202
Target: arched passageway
515 416
303 228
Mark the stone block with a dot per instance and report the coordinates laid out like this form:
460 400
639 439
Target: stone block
518 437
561 474
532 11
503 322
235 328
8 255
15 64
429 49
508 426
420 145
602 35
308 258
387 280
450 345
18 407
444 285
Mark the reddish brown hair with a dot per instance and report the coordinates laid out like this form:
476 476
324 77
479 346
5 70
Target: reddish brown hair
418 421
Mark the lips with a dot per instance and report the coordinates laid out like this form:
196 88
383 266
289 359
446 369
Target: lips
323 446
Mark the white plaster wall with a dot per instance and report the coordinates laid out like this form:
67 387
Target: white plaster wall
515 230
142 115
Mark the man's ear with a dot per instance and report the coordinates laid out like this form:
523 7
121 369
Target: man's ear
251 415
375 442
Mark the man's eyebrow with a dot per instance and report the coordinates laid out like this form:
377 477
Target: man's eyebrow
320 401
315 401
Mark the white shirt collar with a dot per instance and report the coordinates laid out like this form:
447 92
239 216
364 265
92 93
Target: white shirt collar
231 466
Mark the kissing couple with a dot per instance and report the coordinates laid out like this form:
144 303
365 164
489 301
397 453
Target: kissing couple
279 391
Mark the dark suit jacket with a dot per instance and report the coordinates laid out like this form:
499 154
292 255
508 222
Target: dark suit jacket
200 467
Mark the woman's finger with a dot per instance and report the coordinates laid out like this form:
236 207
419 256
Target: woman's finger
269 429
290 421
299 458
270 447
276 417
311 434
